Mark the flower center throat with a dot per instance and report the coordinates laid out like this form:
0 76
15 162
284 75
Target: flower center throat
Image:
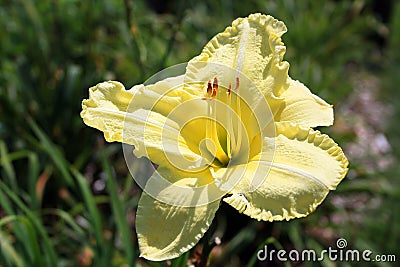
224 122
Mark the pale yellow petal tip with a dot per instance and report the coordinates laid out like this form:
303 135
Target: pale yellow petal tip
274 26
323 141
303 107
173 250
105 99
263 214
104 87
98 93
156 254
166 232
107 85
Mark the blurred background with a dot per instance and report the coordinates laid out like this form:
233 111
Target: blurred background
66 196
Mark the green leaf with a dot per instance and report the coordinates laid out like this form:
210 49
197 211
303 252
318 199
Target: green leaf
119 211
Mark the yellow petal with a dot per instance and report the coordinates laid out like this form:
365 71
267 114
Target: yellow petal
304 108
251 47
169 98
175 210
306 165
161 97
166 232
153 135
185 188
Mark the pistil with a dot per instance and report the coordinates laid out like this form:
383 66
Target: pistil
212 141
239 116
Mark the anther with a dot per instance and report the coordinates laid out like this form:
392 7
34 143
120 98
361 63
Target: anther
209 88
237 83
215 87
209 91
228 92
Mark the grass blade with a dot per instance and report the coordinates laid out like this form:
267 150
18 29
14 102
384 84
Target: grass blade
33 176
52 151
50 254
5 162
119 211
8 255
94 214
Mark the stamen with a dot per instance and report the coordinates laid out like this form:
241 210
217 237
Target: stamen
237 143
215 87
233 122
234 127
212 90
211 126
209 92
237 83
228 92
230 135
209 88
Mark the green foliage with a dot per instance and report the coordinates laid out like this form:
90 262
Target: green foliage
324 40
66 199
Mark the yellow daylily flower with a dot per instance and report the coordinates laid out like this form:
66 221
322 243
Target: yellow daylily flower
234 127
